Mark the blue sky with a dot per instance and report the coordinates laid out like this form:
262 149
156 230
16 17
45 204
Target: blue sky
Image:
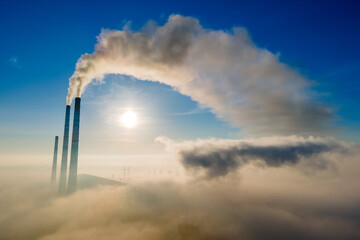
42 40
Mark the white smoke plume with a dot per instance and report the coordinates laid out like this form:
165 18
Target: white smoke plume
222 70
214 158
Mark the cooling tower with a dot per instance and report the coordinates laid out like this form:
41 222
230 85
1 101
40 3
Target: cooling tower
63 170
54 164
74 148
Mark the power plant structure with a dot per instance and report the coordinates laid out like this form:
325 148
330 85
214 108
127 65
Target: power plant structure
70 186
74 148
54 164
75 181
63 169
85 180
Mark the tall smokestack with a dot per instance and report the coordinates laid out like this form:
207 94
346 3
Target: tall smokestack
74 148
54 165
62 180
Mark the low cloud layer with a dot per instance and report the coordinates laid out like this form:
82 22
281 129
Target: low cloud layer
223 70
267 203
219 157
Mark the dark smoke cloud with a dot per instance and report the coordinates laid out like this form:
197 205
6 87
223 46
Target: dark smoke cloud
222 70
219 157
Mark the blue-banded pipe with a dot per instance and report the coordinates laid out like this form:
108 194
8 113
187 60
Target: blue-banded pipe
63 168
54 164
74 148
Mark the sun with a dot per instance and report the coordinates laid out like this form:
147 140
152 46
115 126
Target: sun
129 119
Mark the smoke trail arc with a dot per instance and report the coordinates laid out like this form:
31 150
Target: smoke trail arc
225 71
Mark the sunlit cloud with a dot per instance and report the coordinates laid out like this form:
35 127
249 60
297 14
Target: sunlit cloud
262 203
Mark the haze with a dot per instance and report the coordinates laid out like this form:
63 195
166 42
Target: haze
189 120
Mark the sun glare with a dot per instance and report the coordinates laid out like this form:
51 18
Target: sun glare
129 119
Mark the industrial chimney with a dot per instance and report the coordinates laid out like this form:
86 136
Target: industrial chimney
74 148
63 170
54 164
